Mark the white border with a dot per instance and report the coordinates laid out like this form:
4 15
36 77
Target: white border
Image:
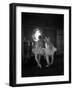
25 80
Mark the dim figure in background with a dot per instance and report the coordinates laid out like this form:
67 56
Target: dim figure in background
26 49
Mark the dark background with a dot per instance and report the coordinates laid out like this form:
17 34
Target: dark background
52 25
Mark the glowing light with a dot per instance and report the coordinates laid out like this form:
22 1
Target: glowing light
36 35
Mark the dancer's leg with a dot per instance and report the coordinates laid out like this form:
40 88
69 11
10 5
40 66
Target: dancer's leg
52 58
47 60
39 65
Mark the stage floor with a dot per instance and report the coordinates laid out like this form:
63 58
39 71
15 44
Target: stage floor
30 68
